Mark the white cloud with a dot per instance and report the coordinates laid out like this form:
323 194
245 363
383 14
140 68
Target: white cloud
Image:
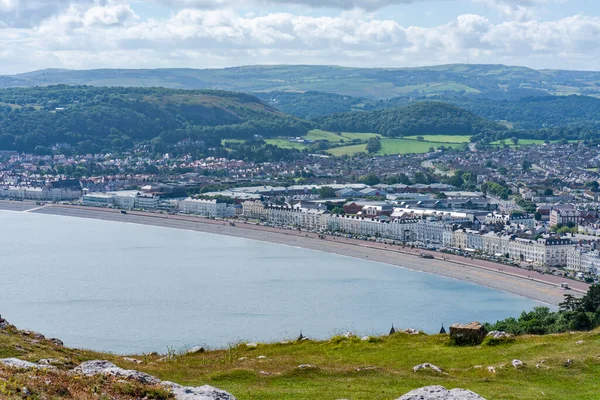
338 4
109 34
519 9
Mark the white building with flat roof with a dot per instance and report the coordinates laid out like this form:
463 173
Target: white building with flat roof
123 199
206 208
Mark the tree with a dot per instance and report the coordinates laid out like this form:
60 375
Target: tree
526 165
370 179
373 145
420 138
326 192
338 210
591 301
571 303
514 140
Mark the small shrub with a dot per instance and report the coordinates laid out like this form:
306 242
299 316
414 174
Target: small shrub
338 339
492 341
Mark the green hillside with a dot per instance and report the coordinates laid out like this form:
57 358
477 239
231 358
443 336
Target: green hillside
431 118
93 119
523 113
558 367
374 83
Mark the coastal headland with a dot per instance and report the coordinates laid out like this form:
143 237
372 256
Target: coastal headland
540 287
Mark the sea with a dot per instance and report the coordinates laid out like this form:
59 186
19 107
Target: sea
129 289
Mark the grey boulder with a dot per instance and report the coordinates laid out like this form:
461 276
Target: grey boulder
440 393
102 367
205 392
21 364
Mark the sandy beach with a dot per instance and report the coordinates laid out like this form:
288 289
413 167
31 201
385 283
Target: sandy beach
540 287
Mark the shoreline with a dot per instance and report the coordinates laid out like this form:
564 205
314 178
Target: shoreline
517 281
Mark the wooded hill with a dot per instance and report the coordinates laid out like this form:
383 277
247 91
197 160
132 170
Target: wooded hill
416 119
523 113
93 119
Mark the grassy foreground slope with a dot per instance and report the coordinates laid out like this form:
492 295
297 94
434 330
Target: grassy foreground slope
374 369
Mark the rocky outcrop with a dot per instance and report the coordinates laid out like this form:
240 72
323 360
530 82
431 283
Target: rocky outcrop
468 335
196 350
103 367
21 364
205 392
499 335
427 366
440 393
56 342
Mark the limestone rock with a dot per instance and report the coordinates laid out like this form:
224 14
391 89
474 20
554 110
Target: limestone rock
56 342
21 364
364 338
491 369
102 367
49 361
34 335
469 334
195 350
427 366
205 392
411 331
306 366
517 363
3 323
440 393
133 360
348 335
499 335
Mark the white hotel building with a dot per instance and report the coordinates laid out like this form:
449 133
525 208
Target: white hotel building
123 199
206 208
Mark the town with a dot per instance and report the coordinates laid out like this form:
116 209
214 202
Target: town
533 206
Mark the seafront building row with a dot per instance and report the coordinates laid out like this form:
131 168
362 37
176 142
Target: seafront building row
404 220
440 230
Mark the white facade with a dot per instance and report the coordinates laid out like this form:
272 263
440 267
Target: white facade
579 260
125 199
508 219
97 200
254 209
206 208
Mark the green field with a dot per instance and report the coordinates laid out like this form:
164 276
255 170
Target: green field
405 146
334 137
443 138
348 150
286 144
380 368
391 147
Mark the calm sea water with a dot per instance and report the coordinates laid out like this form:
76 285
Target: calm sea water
129 288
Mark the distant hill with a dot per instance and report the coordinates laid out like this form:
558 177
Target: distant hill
92 119
522 113
415 119
496 81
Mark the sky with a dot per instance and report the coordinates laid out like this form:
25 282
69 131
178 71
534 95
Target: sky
87 34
